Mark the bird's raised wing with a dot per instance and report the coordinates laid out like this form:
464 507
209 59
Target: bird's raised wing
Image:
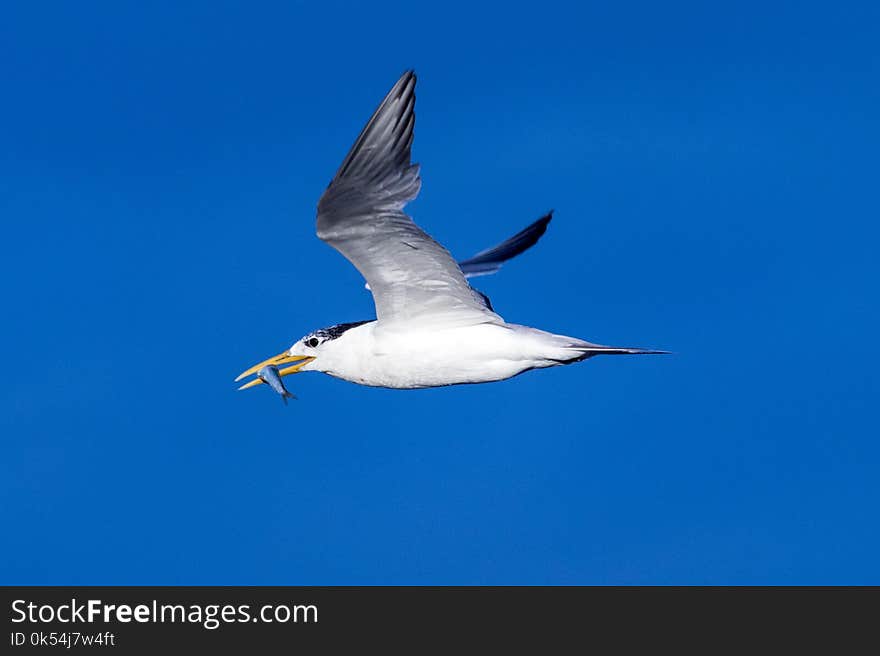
411 276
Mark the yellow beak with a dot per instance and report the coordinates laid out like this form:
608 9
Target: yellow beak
281 358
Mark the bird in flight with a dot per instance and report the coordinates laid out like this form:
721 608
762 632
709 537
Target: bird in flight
431 328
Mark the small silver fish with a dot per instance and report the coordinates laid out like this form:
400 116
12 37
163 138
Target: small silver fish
269 375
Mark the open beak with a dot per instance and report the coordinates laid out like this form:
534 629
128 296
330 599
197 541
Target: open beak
281 358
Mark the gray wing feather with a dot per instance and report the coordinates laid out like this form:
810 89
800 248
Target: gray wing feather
361 215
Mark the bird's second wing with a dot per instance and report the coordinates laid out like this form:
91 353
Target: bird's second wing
491 259
411 276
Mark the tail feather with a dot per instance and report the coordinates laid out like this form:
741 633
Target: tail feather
555 349
622 350
586 350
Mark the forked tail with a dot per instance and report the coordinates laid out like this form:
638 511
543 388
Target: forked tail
561 349
587 350
575 350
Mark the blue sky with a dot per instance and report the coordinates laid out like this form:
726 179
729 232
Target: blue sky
714 176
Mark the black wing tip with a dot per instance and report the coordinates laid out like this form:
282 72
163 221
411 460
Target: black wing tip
534 231
543 222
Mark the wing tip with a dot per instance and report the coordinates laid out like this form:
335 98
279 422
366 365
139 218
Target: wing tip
406 83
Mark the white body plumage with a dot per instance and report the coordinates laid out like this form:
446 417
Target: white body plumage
425 356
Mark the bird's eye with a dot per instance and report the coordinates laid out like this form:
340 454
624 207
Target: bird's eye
313 342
